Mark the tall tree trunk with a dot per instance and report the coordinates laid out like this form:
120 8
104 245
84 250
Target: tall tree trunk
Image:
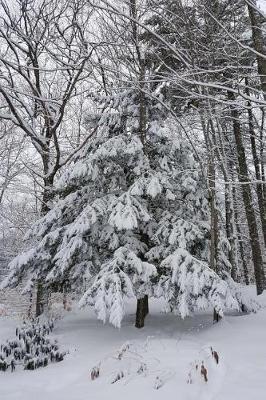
214 218
263 160
230 231
247 197
143 303
142 311
257 20
240 242
42 294
48 181
212 198
146 302
256 161
39 299
221 156
214 225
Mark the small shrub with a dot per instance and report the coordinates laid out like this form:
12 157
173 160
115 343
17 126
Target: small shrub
31 348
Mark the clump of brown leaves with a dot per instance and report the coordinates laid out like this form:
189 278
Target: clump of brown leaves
95 373
215 355
204 372
201 368
119 376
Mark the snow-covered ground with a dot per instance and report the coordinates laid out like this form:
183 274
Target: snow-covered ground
164 353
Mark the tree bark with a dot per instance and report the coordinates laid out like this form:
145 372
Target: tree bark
143 303
146 304
230 231
214 218
256 25
247 198
257 20
214 226
42 294
256 161
142 311
240 242
47 195
39 300
216 316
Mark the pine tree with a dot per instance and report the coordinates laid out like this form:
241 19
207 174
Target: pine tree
132 218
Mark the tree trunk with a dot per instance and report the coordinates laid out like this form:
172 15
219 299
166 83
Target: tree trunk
142 311
257 21
39 300
214 218
146 303
214 226
142 304
247 198
256 25
216 316
230 231
256 161
47 194
240 242
29 313
42 295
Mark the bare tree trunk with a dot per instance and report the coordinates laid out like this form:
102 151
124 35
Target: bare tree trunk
216 316
240 242
146 302
143 303
257 20
39 300
214 217
29 313
224 157
229 222
212 201
142 311
47 194
256 161
42 292
214 226
247 199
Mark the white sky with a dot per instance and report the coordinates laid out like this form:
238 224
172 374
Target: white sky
262 5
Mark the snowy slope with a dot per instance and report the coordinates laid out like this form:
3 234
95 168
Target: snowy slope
168 347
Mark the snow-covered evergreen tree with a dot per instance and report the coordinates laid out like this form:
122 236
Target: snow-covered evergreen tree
132 218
